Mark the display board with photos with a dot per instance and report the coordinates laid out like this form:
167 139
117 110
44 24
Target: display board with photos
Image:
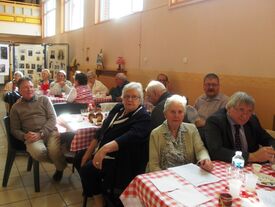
30 59
4 59
57 57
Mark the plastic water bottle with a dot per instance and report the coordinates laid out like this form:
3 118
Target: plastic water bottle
237 160
237 166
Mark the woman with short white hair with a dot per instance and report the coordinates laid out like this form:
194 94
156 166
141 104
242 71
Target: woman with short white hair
174 142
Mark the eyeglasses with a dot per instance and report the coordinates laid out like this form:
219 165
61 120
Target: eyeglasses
128 97
243 111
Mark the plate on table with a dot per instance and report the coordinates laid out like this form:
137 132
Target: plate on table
266 180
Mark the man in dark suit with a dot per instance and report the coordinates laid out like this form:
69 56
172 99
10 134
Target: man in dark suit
236 128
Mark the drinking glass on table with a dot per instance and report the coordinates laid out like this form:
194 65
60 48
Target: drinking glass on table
84 112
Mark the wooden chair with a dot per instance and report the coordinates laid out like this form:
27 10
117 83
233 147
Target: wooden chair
15 147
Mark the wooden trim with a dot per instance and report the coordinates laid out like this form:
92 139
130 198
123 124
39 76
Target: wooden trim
108 72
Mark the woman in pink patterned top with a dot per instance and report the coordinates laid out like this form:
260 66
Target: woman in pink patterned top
80 93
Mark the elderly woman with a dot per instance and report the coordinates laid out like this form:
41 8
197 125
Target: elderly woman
12 85
61 85
119 152
80 93
174 142
96 86
46 81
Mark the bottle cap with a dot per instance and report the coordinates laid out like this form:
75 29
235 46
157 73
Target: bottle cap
238 153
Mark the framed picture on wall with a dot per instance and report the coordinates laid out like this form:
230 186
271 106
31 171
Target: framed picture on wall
4 53
4 59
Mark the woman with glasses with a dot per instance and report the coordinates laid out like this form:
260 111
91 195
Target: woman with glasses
174 142
119 152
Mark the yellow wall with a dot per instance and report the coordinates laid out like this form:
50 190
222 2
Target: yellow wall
233 38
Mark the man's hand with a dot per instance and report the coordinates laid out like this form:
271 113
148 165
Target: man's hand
262 155
206 165
31 137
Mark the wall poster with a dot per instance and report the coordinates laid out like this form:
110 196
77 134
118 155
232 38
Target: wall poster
29 59
4 59
57 57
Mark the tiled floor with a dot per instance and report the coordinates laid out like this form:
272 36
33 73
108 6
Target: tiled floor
20 189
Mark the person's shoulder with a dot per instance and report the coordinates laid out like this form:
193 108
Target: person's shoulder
223 96
218 115
189 126
158 129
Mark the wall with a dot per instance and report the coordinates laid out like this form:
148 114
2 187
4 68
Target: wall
230 37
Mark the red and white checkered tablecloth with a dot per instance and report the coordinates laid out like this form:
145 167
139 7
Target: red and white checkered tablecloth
84 131
83 138
102 100
142 192
57 99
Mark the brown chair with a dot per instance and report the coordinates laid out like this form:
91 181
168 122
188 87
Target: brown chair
15 147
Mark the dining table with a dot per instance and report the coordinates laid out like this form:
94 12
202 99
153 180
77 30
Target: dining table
84 131
142 192
97 100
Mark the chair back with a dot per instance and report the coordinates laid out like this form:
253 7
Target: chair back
13 143
108 106
69 108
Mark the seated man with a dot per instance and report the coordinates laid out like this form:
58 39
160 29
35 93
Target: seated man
121 81
211 101
163 79
236 128
33 121
157 94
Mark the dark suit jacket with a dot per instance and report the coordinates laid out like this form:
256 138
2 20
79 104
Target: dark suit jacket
219 139
157 116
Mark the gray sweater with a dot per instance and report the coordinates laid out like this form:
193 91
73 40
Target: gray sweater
37 115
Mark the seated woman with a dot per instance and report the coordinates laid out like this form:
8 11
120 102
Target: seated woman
119 152
44 84
96 86
61 85
80 93
174 142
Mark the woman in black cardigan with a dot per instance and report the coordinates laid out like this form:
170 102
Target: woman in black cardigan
120 150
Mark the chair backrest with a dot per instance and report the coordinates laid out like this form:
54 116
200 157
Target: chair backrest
108 106
69 108
13 143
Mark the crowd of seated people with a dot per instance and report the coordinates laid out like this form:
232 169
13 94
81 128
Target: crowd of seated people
176 133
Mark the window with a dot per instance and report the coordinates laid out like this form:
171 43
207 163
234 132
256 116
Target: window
176 3
74 14
109 9
49 11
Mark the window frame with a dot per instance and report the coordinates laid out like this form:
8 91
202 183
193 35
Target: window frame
46 14
64 2
178 3
98 9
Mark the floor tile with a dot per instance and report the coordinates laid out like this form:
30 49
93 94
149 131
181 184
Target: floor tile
46 188
13 183
51 200
10 196
25 203
72 197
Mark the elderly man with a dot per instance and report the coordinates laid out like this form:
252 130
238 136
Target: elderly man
33 121
157 94
121 81
95 85
236 128
212 100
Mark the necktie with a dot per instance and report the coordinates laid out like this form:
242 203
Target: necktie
238 143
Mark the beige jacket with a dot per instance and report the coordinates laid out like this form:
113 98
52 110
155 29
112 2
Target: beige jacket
195 147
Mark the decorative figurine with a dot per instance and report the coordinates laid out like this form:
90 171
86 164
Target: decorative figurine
121 62
99 60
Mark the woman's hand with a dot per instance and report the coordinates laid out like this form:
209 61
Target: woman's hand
98 158
206 165
85 158
101 153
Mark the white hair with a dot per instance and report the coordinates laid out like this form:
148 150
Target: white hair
175 99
